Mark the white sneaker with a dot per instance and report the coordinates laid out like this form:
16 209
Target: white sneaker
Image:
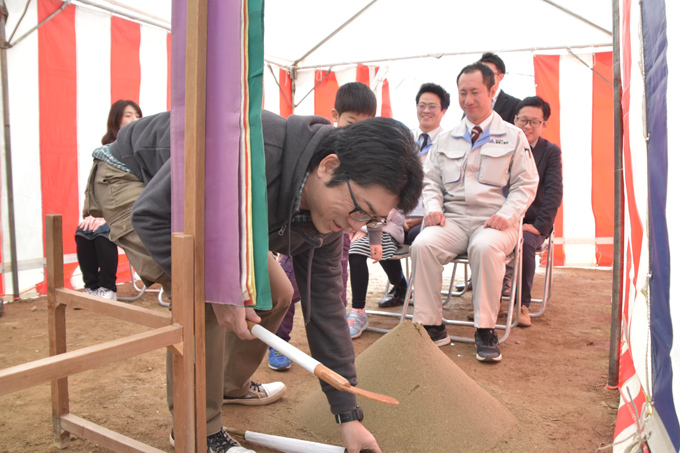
259 394
106 294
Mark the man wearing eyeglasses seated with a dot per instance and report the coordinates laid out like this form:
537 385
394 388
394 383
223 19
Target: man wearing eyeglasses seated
321 181
532 117
480 177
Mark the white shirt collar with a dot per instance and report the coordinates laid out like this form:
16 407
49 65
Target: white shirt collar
484 124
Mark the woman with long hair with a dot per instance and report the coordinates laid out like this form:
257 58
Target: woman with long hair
97 255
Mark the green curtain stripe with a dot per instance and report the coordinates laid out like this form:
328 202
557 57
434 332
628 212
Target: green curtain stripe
259 182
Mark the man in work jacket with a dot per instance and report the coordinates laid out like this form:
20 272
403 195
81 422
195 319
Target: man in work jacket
480 178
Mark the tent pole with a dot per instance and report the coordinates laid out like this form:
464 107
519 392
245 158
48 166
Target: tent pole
615 334
581 18
8 156
350 20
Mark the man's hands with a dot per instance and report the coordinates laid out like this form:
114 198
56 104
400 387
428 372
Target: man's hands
410 223
356 235
530 228
90 223
496 222
356 438
434 218
234 318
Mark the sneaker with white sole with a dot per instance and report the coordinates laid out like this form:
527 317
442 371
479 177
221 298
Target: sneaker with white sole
220 442
259 394
277 361
438 335
106 293
357 322
486 343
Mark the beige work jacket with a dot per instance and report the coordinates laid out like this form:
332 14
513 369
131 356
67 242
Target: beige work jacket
495 176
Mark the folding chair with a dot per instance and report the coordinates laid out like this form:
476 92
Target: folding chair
142 290
548 246
401 253
515 295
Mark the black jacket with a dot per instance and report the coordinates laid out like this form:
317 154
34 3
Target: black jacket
506 106
541 214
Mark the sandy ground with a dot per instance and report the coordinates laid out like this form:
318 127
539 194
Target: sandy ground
552 377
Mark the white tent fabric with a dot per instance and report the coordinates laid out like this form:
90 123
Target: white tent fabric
399 29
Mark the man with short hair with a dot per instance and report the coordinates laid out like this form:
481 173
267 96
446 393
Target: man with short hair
503 103
321 181
432 101
532 117
480 177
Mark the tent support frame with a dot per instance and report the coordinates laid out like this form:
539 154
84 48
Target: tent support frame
615 332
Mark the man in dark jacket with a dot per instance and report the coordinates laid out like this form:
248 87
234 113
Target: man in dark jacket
320 182
532 117
503 103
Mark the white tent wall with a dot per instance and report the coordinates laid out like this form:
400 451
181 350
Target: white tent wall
93 50
22 66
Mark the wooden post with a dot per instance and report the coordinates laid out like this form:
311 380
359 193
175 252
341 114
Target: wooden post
184 398
194 185
56 319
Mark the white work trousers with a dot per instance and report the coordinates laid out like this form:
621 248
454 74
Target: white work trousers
437 246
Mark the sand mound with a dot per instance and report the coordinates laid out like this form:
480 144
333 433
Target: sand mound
441 408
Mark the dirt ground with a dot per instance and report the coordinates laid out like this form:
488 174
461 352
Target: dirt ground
552 377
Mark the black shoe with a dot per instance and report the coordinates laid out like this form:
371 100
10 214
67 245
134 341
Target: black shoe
486 343
460 288
220 442
394 297
438 335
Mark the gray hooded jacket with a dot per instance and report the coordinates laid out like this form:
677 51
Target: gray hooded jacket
290 145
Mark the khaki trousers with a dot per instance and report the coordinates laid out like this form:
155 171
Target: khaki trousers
437 246
230 362
111 193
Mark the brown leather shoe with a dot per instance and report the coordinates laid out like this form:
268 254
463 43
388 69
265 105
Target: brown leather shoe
524 318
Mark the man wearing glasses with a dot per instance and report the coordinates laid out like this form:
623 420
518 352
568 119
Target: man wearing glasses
503 103
321 181
432 101
532 117
480 177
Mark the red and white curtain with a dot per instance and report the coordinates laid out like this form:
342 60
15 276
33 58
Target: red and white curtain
315 89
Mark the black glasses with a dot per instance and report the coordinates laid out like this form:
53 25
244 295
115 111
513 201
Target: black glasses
524 121
360 215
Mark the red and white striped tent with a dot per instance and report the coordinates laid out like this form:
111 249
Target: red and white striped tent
63 77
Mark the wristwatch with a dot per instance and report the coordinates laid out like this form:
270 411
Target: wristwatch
356 414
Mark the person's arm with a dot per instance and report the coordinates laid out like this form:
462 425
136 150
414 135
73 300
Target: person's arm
523 182
375 243
552 196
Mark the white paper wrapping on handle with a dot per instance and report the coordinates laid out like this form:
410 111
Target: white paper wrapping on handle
285 348
288 445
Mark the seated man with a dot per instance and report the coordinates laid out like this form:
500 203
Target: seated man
532 117
321 181
480 177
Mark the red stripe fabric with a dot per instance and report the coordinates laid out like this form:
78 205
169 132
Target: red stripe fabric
363 75
324 93
547 78
58 131
285 94
602 156
126 71
386 105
